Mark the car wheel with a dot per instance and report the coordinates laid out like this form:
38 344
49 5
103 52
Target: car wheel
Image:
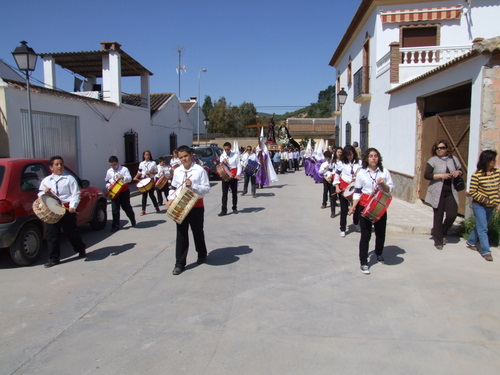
100 216
27 247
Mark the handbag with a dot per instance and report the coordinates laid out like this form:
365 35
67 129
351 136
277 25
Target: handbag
458 182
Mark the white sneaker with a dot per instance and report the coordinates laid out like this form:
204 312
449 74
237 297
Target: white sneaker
357 227
342 234
365 270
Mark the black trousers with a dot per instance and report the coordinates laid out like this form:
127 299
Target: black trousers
448 205
122 201
195 220
151 194
68 224
233 183
161 192
252 179
344 208
366 233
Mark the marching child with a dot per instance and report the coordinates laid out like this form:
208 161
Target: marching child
117 173
147 169
163 172
327 171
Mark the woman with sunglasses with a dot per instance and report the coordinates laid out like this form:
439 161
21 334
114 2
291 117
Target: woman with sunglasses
440 170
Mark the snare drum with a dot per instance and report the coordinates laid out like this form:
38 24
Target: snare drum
377 206
115 189
182 205
349 191
252 167
224 172
145 185
48 209
161 182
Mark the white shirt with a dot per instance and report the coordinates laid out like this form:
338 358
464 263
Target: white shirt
64 186
346 172
175 162
146 166
200 183
232 160
122 171
163 170
246 157
366 181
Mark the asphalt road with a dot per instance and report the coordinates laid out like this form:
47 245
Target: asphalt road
281 293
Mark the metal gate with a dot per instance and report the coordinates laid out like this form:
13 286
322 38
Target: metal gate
453 127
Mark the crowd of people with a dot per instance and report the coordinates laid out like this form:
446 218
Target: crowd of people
360 183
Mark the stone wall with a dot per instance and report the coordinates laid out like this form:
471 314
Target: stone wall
490 127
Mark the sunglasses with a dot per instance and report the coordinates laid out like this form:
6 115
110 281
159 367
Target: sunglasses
441 148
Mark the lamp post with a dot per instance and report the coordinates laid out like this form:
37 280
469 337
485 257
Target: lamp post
341 98
206 122
199 79
26 61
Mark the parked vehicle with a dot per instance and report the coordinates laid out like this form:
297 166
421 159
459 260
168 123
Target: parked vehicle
197 160
20 230
210 156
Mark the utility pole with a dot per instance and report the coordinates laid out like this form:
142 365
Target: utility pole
180 68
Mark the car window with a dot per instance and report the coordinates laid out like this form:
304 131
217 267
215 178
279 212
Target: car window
70 172
203 152
32 176
219 152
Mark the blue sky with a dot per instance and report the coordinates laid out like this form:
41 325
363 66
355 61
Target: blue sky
273 53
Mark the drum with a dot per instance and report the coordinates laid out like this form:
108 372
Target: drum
182 205
48 209
145 185
252 167
349 191
224 172
115 189
161 182
377 206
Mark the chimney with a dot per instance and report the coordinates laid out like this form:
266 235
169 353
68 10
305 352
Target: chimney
192 98
112 73
113 46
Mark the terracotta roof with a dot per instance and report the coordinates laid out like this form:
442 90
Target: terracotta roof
89 63
157 100
188 105
60 94
481 46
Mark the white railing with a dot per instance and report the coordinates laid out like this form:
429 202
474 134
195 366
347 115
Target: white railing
384 64
431 55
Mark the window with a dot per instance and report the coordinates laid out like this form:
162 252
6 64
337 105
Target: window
131 146
349 73
419 36
363 133
32 175
173 141
348 133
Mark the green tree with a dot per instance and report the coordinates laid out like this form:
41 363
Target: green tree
327 94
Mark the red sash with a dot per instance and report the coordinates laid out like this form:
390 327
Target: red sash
343 184
199 203
365 199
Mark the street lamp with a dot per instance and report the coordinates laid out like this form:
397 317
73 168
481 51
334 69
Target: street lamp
26 61
199 78
206 122
341 98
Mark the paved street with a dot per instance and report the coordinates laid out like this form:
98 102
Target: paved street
281 293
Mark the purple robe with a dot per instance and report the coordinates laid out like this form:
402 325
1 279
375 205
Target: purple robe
262 177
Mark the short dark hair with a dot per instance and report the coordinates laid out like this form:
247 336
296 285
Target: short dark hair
328 154
185 148
54 158
365 158
160 159
227 144
113 159
485 157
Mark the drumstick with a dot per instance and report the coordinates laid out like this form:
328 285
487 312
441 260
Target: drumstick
50 192
183 183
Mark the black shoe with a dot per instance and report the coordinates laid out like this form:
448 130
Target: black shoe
51 263
235 212
243 194
255 196
332 215
201 260
222 213
177 270
82 254
133 224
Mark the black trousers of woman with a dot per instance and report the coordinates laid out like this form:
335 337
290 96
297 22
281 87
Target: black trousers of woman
366 233
344 208
195 220
151 194
448 205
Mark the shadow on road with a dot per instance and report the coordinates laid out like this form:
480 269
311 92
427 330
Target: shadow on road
227 255
107 251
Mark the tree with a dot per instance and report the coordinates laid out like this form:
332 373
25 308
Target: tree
327 94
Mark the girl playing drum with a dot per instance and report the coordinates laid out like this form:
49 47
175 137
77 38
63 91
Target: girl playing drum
372 176
147 169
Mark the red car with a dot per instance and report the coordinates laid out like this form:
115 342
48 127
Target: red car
20 230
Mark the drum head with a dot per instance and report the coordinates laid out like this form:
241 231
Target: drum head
53 205
143 182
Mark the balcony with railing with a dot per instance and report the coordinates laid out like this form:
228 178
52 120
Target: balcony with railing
408 63
360 85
